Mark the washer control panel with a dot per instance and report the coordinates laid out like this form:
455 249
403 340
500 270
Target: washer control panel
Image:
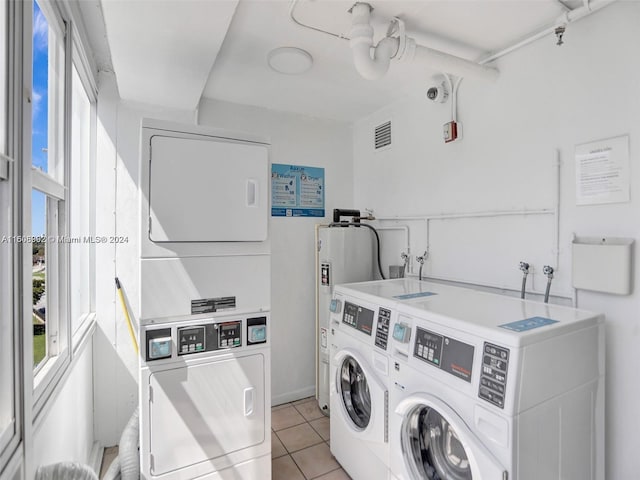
493 379
446 353
229 334
382 328
358 317
191 340
209 337
160 342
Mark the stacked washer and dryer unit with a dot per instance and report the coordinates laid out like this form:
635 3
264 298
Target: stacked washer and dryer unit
479 386
204 382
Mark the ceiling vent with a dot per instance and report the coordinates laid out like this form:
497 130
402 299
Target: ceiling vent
383 135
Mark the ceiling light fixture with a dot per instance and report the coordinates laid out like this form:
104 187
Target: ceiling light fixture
290 60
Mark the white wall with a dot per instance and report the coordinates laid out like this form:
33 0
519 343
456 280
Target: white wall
65 431
295 140
547 98
115 369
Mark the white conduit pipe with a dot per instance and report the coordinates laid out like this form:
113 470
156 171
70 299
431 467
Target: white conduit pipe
454 65
362 41
374 68
588 8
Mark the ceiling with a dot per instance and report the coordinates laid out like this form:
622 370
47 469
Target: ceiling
173 52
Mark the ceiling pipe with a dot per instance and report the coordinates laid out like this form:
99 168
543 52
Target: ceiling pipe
588 7
401 47
361 42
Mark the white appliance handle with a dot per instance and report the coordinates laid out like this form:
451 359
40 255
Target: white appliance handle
249 397
252 192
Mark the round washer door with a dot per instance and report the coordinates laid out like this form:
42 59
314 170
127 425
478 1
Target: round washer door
354 391
437 445
431 447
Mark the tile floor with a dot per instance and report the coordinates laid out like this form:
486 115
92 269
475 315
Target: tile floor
109 454
300 443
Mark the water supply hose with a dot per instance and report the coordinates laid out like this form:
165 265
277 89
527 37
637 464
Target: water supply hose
548 271
421 260
524 267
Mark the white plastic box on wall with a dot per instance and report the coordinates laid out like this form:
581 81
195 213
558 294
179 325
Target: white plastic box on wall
602 264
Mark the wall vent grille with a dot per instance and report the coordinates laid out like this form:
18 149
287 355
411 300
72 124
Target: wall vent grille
383 135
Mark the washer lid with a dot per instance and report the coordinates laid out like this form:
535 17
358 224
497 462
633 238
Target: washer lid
437 444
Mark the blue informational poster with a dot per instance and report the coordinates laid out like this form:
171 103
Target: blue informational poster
297 191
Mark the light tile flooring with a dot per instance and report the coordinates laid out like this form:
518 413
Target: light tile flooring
300 443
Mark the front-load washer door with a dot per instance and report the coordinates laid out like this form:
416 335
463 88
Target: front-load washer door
354 390
361 395
437 445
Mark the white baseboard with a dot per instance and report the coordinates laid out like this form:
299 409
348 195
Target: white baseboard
309 391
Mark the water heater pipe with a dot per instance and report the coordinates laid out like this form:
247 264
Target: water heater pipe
402 47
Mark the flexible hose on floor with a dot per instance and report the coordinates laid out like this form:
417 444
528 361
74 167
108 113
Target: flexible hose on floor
65 471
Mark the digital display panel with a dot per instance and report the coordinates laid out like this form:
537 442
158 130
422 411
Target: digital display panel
358 317
444 352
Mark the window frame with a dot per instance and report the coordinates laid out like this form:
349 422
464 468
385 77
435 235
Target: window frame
32 391
12 56
53 184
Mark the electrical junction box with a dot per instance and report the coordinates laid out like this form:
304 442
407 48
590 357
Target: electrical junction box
603 264
451 131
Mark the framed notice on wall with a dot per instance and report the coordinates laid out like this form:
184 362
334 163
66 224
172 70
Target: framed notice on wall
297 191
602 171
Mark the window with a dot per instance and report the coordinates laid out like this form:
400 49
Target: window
81 228
48 218
45 195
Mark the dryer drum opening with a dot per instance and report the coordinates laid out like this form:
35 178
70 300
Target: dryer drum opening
432 448
354 391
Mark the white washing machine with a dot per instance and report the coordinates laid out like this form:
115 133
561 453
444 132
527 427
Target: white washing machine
486 387
359 370
205 398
